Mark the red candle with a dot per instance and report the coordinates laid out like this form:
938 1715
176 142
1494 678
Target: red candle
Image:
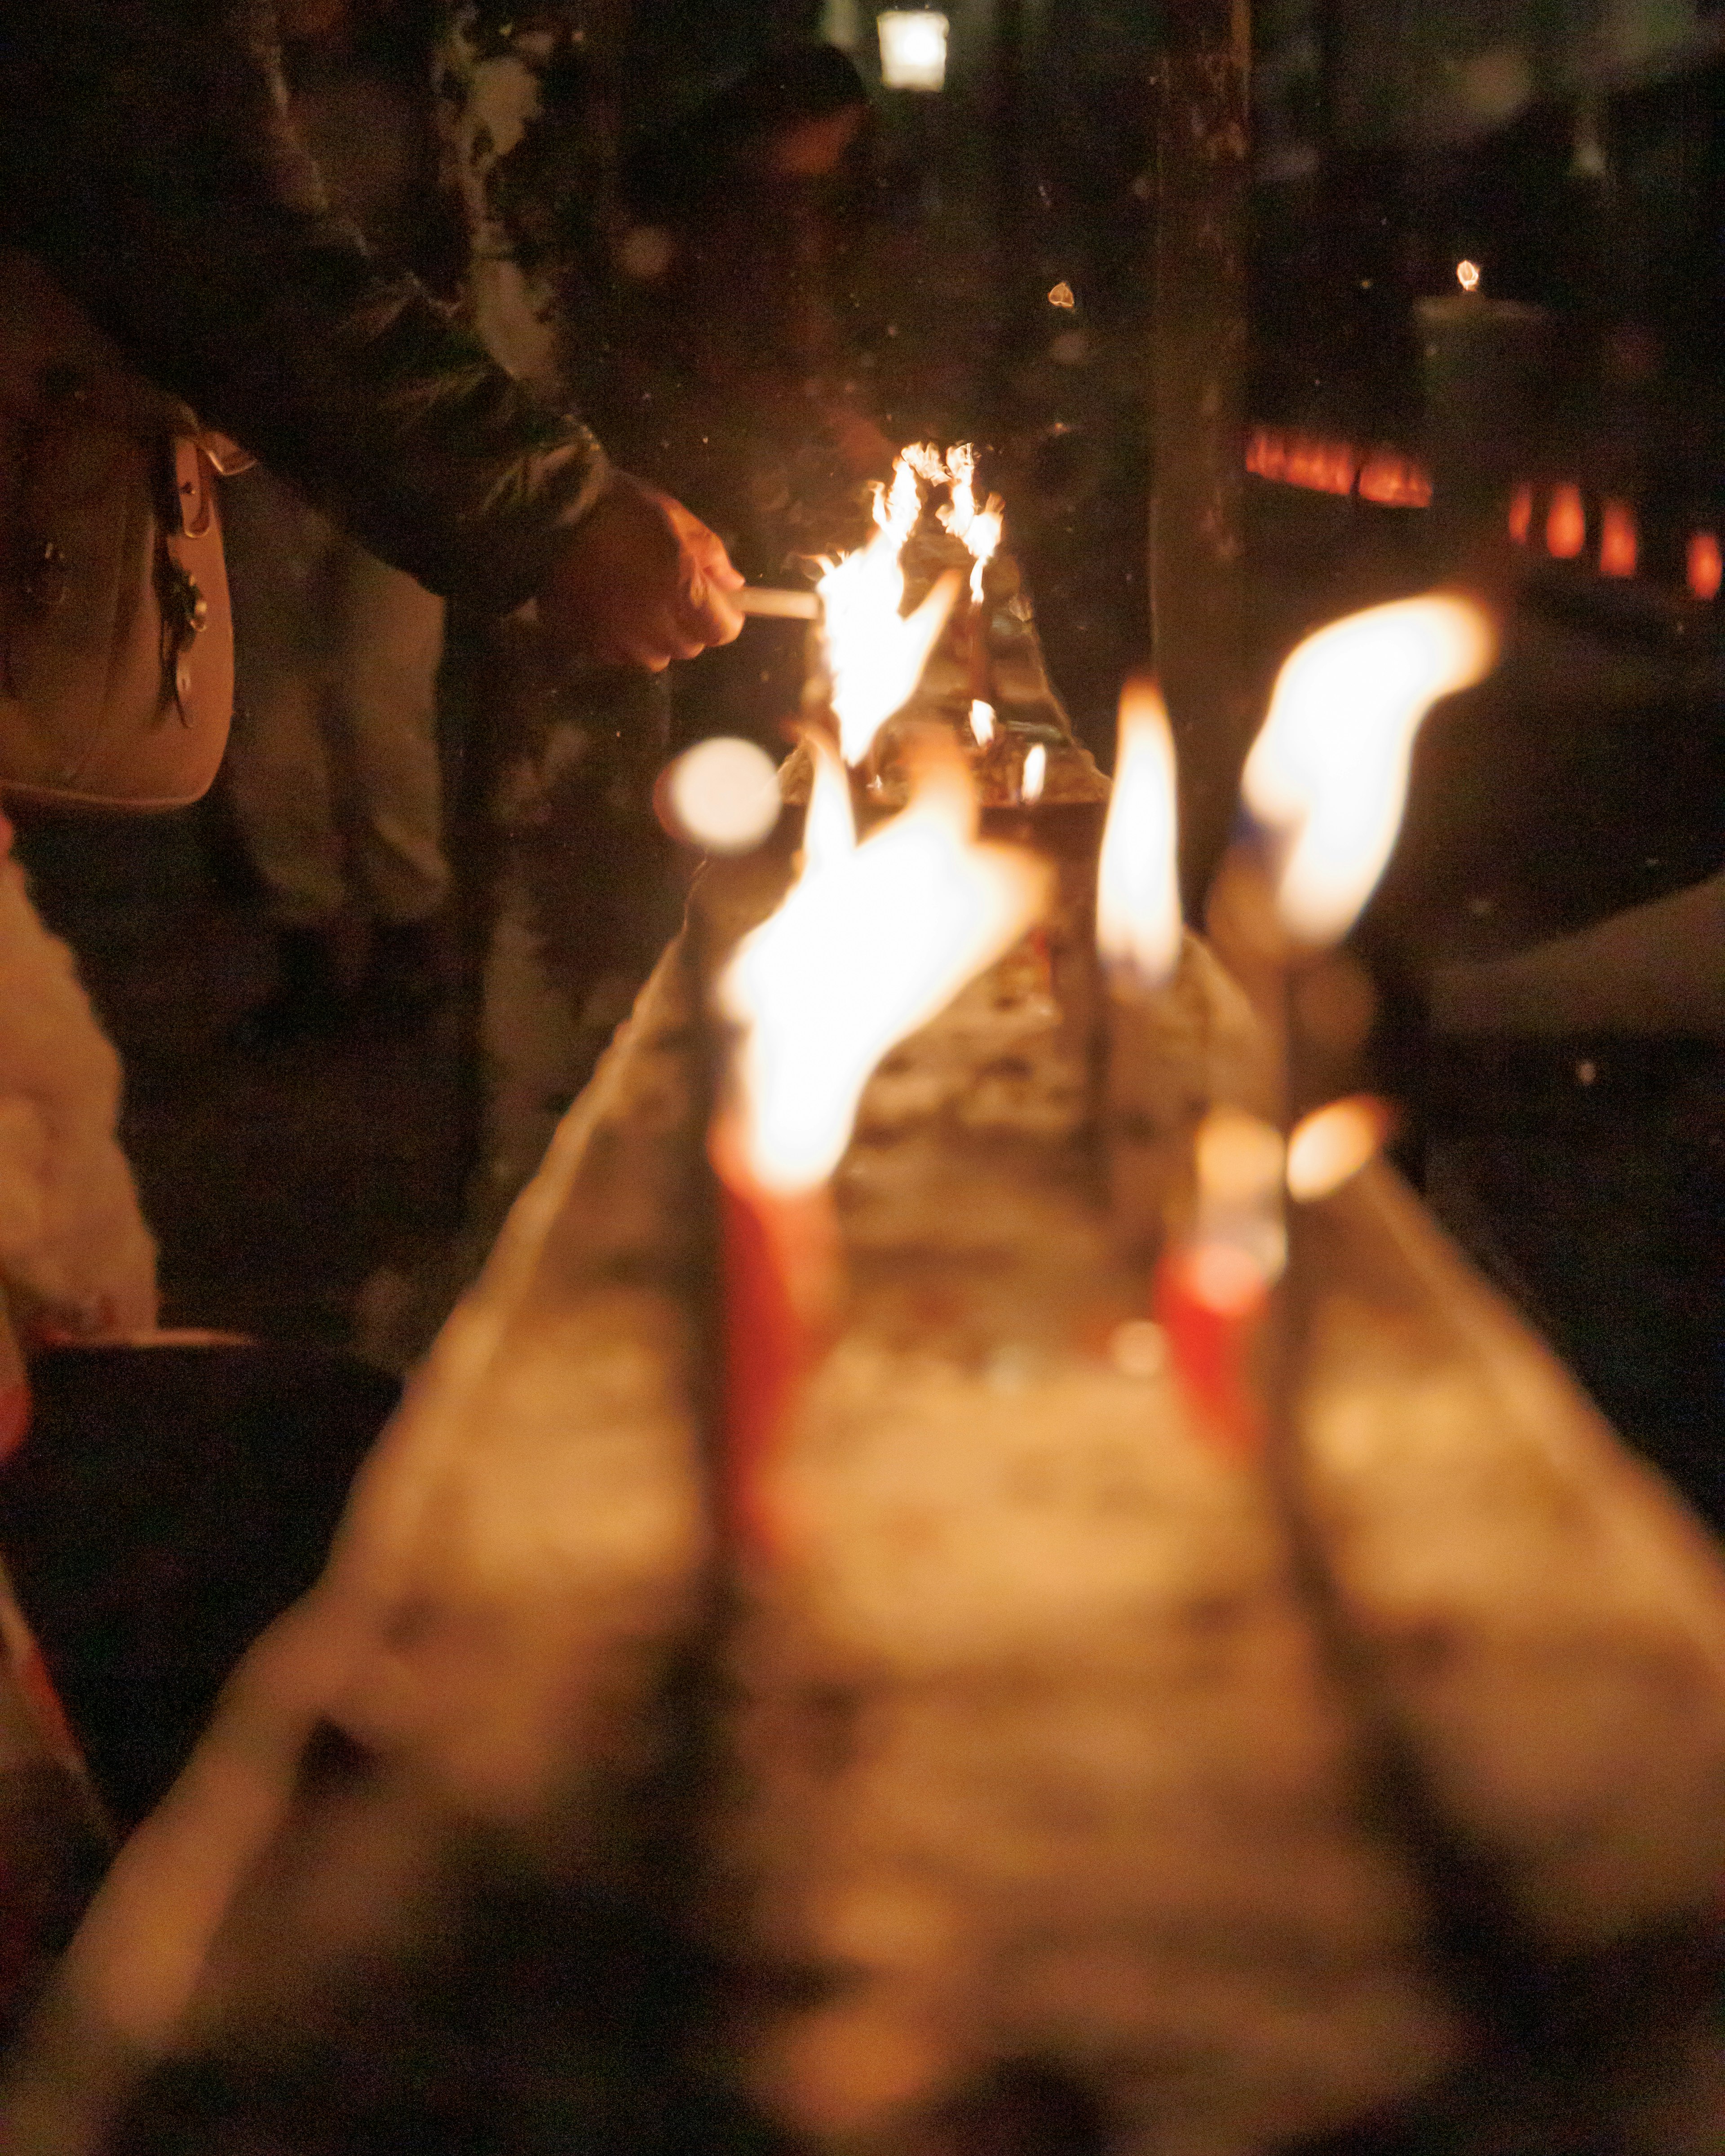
781 1275
1210 1299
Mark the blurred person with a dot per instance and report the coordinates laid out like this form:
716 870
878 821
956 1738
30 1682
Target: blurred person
736 381
149 165
333 765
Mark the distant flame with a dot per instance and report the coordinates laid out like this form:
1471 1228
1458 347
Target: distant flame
1034 775
1328 772
1138 882
1332 1144
1704 565
1521 514
980 528
981 721
871 942
1467 275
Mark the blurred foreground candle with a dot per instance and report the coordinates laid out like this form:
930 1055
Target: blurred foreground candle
1213 1284
872 941
1178 1034
1326 781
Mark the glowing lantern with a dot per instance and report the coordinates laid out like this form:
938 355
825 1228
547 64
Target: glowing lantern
913 49
1618 543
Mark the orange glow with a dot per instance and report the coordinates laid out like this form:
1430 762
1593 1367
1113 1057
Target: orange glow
1138 927
1704 565
1467 275
981 721
1328 772
1324 467
871 942
1521 514
1618 542
1382 475
1395 481
1565 523
1267 452
1333 1144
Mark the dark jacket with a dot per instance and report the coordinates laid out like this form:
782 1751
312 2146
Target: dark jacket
147 159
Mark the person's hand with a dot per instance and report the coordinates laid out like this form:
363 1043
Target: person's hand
639 582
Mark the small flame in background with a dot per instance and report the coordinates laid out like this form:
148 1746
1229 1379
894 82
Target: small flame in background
1138 924
872 941
979 528
1034 775
875 655
1334 1144
981 721
1328 772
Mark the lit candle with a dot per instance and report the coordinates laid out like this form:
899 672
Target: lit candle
1326 780
1177 1033
875 656
872 941
1213 1286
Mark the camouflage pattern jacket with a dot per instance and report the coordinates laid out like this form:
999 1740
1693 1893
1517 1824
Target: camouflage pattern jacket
147 160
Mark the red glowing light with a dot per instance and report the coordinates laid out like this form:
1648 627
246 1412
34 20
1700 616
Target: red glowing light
1521 514
1705 566
1565 523
1618 542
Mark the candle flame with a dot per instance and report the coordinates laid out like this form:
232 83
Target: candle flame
981 721
1034 775
875 654
829 822
1332 1144
871 942
979 528
1328 772
1138 884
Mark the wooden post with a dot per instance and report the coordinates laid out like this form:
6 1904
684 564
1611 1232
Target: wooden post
1198 416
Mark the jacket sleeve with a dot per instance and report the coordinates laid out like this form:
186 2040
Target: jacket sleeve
147 160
